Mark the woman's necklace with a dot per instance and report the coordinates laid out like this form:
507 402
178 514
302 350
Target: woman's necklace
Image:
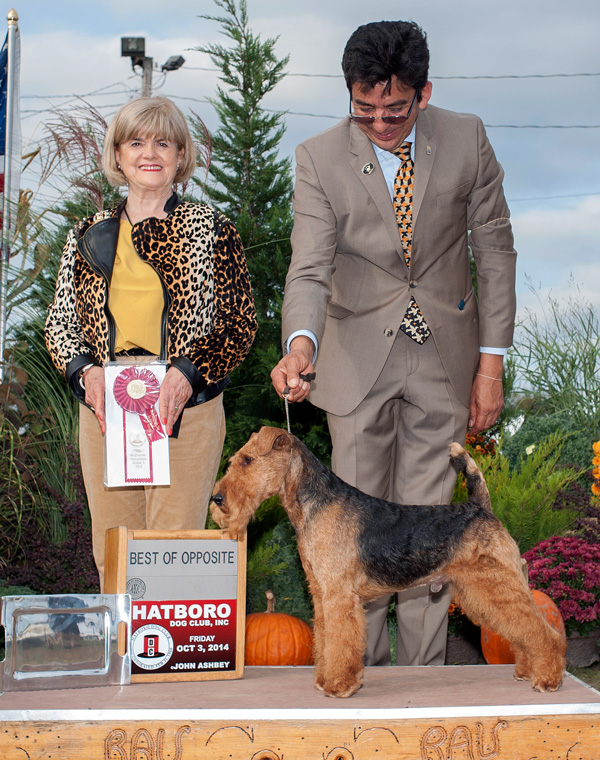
127 215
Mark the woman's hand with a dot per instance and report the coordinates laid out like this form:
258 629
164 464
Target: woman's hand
175 392
93 382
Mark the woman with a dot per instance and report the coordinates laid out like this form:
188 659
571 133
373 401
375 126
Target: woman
162 277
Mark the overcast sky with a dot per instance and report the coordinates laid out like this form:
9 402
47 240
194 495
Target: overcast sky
522 65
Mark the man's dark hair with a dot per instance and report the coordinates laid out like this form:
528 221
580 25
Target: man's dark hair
378 51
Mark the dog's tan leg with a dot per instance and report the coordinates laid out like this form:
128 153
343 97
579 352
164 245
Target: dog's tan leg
344 639
523 667
318 635
501 601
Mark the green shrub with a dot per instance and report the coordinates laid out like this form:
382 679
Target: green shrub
8 590
577 438
523 497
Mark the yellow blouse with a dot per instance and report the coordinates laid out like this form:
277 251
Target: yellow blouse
135 298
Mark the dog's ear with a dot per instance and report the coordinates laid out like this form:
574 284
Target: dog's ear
273 439
282 442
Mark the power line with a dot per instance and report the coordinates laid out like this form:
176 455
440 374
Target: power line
475 76
551 197
27 113
66 97
487 126
521 76
98 91
542 126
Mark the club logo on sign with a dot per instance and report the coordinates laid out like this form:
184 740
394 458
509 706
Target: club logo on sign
136 588
151 647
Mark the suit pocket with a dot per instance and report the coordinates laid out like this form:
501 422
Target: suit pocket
337 311
453 195
462 305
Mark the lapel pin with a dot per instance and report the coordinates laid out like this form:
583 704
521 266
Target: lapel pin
429 150
368 168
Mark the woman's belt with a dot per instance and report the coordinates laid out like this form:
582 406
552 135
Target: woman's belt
135 352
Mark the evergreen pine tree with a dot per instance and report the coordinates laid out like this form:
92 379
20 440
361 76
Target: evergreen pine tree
252 185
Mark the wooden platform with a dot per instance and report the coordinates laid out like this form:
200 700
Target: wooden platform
446 713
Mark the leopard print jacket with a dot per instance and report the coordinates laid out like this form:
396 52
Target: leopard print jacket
209 321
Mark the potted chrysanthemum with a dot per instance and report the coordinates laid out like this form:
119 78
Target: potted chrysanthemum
567 569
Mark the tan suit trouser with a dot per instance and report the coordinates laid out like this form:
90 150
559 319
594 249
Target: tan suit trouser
194 458
394 446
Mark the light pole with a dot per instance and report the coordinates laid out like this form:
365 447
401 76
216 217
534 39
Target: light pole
135 48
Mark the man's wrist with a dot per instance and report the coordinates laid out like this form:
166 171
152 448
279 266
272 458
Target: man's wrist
490 366
303 344
305 333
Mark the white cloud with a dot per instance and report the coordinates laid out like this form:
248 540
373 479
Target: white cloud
558 254
568 237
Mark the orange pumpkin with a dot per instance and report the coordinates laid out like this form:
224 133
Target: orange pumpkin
497 651
274 638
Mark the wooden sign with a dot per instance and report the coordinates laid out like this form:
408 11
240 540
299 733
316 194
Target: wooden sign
188 592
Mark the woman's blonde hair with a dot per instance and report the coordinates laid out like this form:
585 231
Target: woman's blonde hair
153 117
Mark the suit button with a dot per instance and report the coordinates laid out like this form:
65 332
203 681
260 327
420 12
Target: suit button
388 332
413 283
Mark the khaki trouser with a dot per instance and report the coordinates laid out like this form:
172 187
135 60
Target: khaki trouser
394 446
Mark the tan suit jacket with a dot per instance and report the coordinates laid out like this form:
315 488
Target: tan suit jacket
348 282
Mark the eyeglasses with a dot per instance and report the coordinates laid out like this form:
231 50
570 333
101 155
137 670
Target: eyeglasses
385 119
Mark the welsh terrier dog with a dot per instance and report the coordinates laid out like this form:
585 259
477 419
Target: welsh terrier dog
355 548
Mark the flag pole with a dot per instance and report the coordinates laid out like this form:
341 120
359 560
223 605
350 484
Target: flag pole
8 203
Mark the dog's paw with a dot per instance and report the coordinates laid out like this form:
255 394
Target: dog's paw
547 684
228 535
342 690
521 674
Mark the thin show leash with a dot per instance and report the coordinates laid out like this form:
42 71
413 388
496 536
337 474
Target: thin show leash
286 392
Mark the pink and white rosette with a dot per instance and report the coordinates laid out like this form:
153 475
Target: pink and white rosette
136 391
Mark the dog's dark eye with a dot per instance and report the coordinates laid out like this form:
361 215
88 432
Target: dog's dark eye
247 461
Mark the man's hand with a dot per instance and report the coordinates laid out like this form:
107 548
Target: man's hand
487 395
175 392
93 382
287 373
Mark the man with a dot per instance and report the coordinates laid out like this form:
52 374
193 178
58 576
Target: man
380 287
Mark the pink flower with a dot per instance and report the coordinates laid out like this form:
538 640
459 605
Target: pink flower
567 568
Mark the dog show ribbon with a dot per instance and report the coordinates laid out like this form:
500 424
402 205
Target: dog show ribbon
136 391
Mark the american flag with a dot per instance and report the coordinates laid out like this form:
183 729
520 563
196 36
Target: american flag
10 151
10 164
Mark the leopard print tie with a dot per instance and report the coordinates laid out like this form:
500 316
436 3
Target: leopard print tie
413 323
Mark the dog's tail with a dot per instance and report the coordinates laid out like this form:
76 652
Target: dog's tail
476 485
